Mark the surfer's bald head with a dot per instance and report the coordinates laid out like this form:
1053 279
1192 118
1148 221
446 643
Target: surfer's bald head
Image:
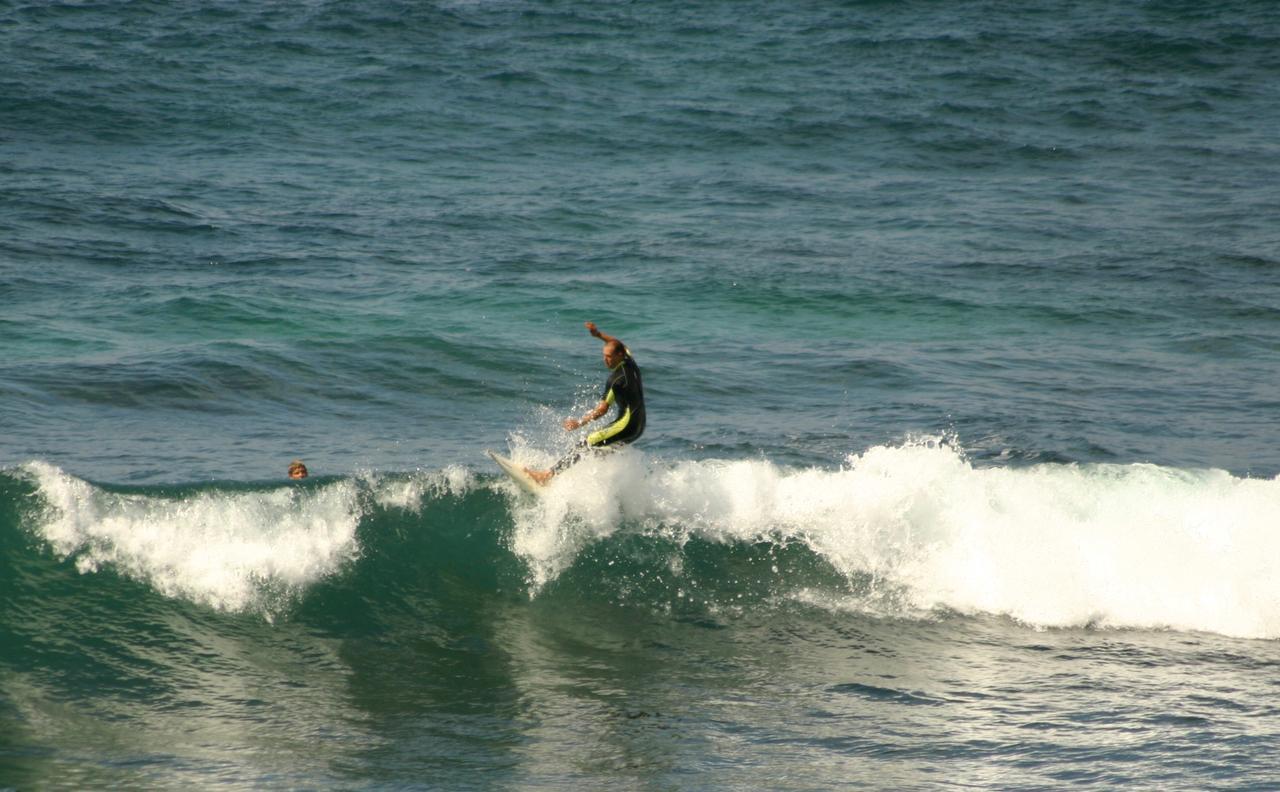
614 353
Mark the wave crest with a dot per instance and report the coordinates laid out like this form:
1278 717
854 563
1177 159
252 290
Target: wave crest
1050 545
898 530
227 550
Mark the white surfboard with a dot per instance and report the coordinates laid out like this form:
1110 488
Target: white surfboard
517 473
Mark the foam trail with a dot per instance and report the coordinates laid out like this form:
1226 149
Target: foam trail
1051 545
411 493
231 551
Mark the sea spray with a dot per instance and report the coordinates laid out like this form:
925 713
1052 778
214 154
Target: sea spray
411 492
1050 544
227 550
1133 546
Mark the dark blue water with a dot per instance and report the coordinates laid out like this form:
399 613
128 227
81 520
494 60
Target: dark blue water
959 326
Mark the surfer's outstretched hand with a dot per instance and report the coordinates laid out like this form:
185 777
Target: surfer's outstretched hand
598 333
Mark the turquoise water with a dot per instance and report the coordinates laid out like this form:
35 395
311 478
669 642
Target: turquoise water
959 326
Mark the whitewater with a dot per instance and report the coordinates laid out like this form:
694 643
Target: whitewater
905 531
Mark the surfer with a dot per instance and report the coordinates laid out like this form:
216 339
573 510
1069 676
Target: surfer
623 390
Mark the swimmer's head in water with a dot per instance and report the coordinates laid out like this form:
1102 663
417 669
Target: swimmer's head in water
297 470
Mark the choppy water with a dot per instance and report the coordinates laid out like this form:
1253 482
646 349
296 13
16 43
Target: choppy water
959 326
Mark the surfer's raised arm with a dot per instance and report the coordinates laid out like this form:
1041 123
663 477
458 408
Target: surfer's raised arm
605 337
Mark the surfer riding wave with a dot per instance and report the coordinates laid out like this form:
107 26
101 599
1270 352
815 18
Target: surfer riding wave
623 390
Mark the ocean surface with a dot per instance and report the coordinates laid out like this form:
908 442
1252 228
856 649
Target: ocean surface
960 328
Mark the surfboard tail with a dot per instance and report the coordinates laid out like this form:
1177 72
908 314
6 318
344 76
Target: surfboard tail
516 473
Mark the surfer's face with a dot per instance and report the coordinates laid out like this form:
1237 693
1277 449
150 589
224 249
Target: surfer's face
611 360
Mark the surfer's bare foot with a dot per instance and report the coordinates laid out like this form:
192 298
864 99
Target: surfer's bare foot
540 476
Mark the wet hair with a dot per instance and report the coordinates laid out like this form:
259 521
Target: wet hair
296 466
615 348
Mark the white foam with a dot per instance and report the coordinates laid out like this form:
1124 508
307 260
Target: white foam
231 551
584 504
408 494
1051 545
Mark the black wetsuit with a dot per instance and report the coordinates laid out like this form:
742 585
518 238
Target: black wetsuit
624 390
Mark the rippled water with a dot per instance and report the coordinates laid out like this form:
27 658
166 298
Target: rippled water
959 330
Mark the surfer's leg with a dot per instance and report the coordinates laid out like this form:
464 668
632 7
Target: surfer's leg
569 460
596 443
566 462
